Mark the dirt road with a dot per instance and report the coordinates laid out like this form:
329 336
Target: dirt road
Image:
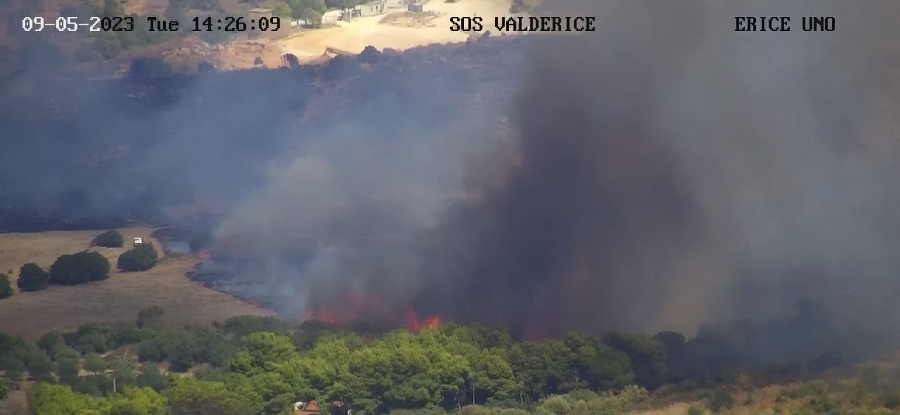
364 31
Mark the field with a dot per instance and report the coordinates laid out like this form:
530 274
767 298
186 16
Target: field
117 299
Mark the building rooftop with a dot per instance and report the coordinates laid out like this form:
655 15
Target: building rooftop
260 10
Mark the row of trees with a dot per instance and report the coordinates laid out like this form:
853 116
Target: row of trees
262 365
82 267
67 270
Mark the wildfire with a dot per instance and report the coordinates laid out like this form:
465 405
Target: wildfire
414 324
356 306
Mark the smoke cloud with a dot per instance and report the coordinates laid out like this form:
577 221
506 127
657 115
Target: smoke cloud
663 171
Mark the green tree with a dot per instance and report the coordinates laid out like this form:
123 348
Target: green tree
6 289
110 239
79 268
282 10
124 371
647 355
151 350
139 258
314 17
40 367
299 7
189 396
870 378
51 342
151 68
32 278
151 377
67 366
541 367
6 386
50 399
13 366
94 363
113 8
259 350
138 401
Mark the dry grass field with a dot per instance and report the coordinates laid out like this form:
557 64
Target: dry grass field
117 299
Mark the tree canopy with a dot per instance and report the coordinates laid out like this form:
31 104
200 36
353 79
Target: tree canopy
110 239
261 365
32 278
139 258
79 268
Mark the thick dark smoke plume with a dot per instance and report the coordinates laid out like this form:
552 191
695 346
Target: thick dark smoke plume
664 171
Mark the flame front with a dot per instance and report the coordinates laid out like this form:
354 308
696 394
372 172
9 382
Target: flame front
355 306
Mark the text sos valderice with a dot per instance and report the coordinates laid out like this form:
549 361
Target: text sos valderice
525 24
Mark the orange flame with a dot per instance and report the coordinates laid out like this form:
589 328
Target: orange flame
356 306
414 324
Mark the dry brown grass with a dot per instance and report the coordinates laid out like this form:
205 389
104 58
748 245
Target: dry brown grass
117 299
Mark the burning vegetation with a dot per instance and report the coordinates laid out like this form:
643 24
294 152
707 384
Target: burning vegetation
356 307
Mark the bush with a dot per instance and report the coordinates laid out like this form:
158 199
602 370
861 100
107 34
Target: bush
139 258
693 410
51 342
88 53
6 387
720 400
110 239
79 268
204 67
32 278
149 68
149 317
258 61
41 367
151 350
99 338
892 401
6 289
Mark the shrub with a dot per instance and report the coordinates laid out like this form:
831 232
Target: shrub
79 268
110 239
149 317
51 342
6 387
88 53
13 367
258 61
204 67
150 67
93 362
693 410
720 400
892 401
139 258
151 350
151 377
871 376
41 367
99 338
6 289
32 278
